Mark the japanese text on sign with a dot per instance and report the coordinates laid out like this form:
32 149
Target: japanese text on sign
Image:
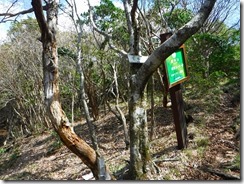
175 67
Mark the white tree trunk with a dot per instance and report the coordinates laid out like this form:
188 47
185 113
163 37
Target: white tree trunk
121 114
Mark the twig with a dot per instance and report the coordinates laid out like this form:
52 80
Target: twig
167 160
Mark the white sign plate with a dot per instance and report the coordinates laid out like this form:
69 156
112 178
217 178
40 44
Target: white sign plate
137 59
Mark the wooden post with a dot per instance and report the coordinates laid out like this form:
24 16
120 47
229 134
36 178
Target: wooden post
177 106
178 114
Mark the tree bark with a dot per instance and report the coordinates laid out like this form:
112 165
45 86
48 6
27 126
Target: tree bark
139 146
140 159
164 87
57 116
152 109
173 43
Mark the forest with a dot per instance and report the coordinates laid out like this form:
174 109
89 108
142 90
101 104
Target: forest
85 95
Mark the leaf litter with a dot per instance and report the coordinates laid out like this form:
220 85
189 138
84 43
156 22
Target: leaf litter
212 145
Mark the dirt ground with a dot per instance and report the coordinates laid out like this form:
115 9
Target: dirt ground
213 151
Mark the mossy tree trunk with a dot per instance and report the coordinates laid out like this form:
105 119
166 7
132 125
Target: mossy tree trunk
140 157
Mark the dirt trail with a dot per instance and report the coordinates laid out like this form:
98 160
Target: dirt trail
212 145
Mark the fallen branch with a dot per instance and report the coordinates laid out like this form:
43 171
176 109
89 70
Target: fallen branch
167 160
219 173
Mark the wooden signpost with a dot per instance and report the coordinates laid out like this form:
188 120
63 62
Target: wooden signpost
176 72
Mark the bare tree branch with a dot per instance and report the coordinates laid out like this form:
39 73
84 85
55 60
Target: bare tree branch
128 17
173 43
6 16
38 10
93 23
120 51
133 10
234 25
164 23
149 31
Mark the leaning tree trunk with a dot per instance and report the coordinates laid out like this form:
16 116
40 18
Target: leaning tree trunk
58 117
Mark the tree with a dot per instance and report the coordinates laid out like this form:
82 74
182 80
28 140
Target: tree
58 117
140 158
80 61
215 53
112 16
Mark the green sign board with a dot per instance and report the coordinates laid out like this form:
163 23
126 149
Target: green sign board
176 68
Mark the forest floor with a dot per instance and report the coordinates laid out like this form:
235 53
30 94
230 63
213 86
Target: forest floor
213 151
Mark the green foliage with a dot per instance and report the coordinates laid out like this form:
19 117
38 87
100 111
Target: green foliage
178 18
221 52
237 161
213 61
202 142
110 19
107 15
160 4
62 51
27 25
121 35
2 150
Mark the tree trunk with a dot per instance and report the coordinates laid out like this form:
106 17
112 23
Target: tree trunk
152 110
83 96
163 83
121 114
139 147
103 173
140 159
174 42
57 116
207 68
